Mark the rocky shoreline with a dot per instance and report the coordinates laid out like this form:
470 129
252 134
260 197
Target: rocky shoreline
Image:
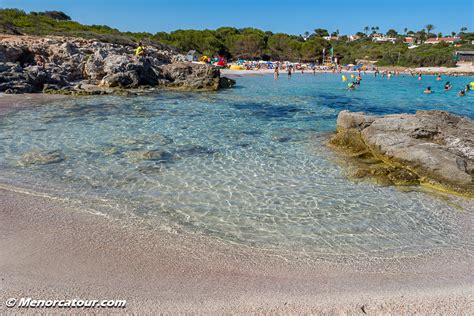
74 66
431 148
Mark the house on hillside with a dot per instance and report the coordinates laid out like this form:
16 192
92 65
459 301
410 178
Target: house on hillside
410 41
352 38
437 40
380 38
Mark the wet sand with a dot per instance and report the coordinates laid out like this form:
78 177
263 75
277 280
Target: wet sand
51 249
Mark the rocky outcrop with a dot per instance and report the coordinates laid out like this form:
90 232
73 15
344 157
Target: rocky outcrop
189 76
67 65
434 148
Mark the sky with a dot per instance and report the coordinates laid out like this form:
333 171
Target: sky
288 16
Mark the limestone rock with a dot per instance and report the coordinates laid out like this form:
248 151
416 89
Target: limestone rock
151 155
436 147
226 83
57 64
41 158
191 76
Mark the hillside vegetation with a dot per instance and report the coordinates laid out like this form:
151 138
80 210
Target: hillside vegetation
245 43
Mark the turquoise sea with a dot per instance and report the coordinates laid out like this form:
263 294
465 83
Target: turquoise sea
245 165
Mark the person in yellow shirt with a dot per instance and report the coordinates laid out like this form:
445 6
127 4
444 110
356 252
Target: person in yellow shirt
140 51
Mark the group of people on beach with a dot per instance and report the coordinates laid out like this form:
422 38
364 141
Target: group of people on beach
290 69
447 86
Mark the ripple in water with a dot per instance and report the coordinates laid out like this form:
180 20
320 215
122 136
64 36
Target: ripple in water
246 165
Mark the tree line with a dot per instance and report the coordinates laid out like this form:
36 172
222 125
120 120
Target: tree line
249 43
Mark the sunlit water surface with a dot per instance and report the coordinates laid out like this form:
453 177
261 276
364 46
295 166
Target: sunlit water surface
246 165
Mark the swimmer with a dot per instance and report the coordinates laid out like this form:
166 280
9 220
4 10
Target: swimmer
438 78
461 93
448 86
428 91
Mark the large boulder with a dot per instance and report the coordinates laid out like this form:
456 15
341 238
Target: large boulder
94 65
191 76
434 146
226 83
128 73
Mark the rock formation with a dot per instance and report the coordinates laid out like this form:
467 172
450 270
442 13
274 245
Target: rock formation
434 148
80 66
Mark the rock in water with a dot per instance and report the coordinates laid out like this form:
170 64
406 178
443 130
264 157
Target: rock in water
433 147
41 158
226 83
151 155
191 76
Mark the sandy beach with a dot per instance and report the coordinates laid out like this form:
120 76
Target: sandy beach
461 69
50 249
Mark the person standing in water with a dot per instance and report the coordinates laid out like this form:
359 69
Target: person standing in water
289 71
419 76
276 73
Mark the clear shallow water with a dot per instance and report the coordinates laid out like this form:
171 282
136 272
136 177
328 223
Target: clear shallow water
246 165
